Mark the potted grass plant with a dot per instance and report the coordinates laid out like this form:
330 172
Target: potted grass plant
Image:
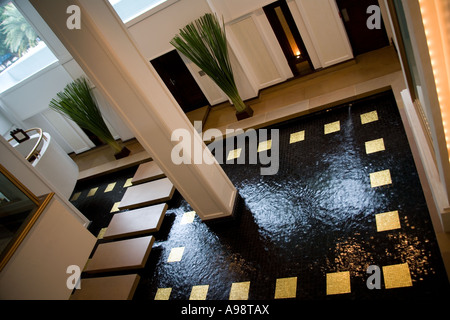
77 102
204 42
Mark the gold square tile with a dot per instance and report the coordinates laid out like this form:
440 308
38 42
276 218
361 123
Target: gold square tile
163 293
176 254
110 187
286 288
375 146
264 145
75 196
115 207
92 192
239 290
369 117
234 154
297 137
101 233
397 276
128 183
338 283
380 178
199 292
387 221
332 127
188 217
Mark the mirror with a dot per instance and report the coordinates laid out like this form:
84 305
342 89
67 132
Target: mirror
19 209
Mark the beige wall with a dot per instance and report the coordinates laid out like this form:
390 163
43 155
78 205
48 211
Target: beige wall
58 239
37 270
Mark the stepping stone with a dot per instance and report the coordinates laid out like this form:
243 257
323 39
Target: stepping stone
120 255
107 288
147 194
136 222
147 172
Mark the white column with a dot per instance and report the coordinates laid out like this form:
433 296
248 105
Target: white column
106 52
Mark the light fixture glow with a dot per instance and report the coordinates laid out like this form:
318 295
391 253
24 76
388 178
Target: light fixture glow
436 26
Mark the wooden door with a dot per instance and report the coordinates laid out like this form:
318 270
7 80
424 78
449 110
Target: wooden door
180 81
354 15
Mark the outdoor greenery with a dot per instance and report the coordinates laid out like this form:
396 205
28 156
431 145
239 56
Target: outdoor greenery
204 42
78 103
19 35
16 35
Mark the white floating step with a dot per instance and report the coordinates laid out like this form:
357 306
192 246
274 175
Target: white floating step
107 288
147 194
136 222
120 255
147 172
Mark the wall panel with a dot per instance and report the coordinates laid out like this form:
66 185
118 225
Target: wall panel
253 49
327 32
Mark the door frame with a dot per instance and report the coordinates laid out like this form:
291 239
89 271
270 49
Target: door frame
283 41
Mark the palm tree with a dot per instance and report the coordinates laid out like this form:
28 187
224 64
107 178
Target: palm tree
20 36
204 42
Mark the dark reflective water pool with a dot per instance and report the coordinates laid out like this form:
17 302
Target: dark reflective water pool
315 216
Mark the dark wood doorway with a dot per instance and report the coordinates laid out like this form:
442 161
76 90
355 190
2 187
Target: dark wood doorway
179 81
285 29
354 15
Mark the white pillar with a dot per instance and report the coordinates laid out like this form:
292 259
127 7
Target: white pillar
110 58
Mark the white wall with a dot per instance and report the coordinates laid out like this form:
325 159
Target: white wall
154 33
37 270
5 124
233 9
33 95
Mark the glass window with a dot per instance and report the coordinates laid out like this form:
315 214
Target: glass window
22 52
130 9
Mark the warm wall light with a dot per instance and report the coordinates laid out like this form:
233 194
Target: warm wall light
288 32
434 13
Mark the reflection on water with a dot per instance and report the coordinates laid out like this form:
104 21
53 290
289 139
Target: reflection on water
316 216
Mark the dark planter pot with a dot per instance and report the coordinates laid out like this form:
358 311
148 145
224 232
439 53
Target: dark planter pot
246 113
125 152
